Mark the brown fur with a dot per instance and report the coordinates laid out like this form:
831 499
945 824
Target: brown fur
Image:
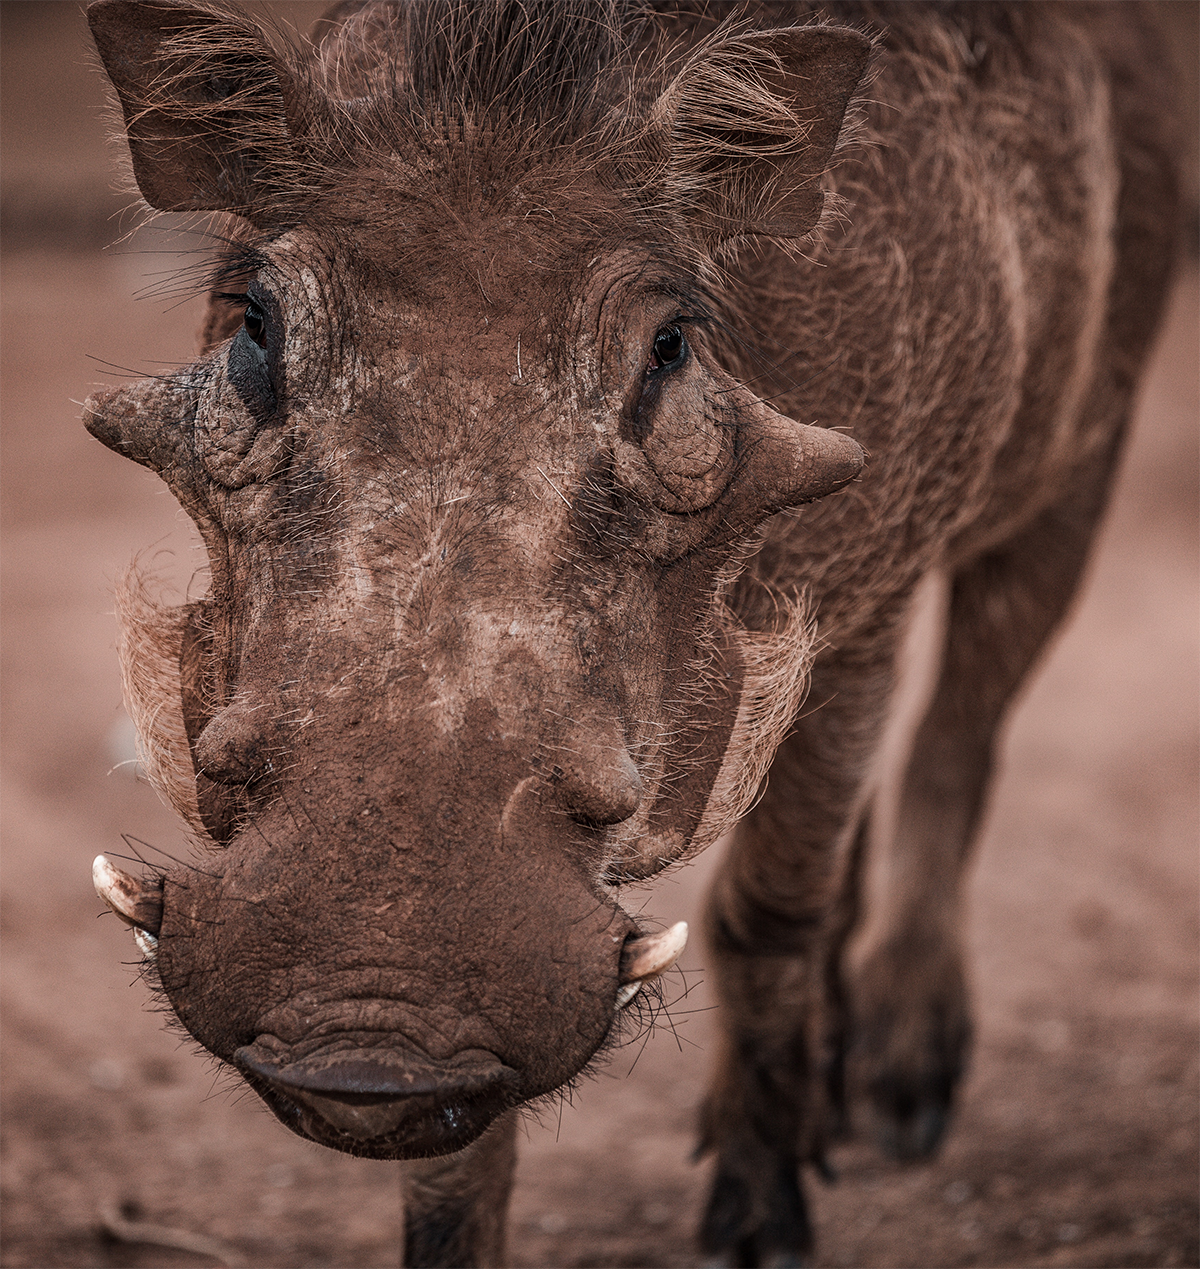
149 644
501 612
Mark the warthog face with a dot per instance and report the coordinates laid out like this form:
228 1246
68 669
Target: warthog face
472 484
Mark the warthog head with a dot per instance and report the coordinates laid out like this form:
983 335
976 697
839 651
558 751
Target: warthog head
473 484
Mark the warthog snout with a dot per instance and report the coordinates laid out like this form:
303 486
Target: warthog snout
365 1090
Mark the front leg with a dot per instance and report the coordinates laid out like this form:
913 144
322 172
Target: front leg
769 916
912 1025
456 1207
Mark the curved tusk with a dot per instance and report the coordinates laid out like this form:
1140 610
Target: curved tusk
138 903
626 993
652 954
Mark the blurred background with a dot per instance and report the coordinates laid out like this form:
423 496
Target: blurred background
1076 1142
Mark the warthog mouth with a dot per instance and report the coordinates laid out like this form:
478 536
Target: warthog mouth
382 1104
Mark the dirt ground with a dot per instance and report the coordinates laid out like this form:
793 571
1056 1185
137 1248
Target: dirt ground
1077 1138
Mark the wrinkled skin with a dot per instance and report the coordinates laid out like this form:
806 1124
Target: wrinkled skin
476 460
483 696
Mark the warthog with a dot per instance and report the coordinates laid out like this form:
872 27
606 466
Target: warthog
530 326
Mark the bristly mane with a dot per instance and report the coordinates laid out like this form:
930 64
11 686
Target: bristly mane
539 58
559 65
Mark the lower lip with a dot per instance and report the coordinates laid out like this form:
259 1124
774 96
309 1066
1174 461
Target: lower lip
433 1130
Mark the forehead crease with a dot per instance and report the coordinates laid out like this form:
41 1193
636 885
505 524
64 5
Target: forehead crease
397 215
479 484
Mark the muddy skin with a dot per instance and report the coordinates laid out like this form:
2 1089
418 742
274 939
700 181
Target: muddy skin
502 613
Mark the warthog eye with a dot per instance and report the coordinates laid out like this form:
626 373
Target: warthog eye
256 324
254 352
670 349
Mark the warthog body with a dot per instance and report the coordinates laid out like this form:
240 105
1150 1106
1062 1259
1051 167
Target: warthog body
532 323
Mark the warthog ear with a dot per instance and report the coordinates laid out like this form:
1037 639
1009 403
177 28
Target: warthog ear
206 104
750 124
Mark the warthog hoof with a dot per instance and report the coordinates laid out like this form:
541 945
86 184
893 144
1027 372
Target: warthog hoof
756 1222
912 1035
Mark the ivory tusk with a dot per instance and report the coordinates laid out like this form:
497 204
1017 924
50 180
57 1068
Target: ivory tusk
626 993
652 954
137 903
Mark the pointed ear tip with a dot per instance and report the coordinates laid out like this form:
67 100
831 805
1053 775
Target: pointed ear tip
103 14
831 33
863 48
846 45
99 16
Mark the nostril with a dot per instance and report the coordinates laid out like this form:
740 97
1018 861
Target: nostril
231 748
598 785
